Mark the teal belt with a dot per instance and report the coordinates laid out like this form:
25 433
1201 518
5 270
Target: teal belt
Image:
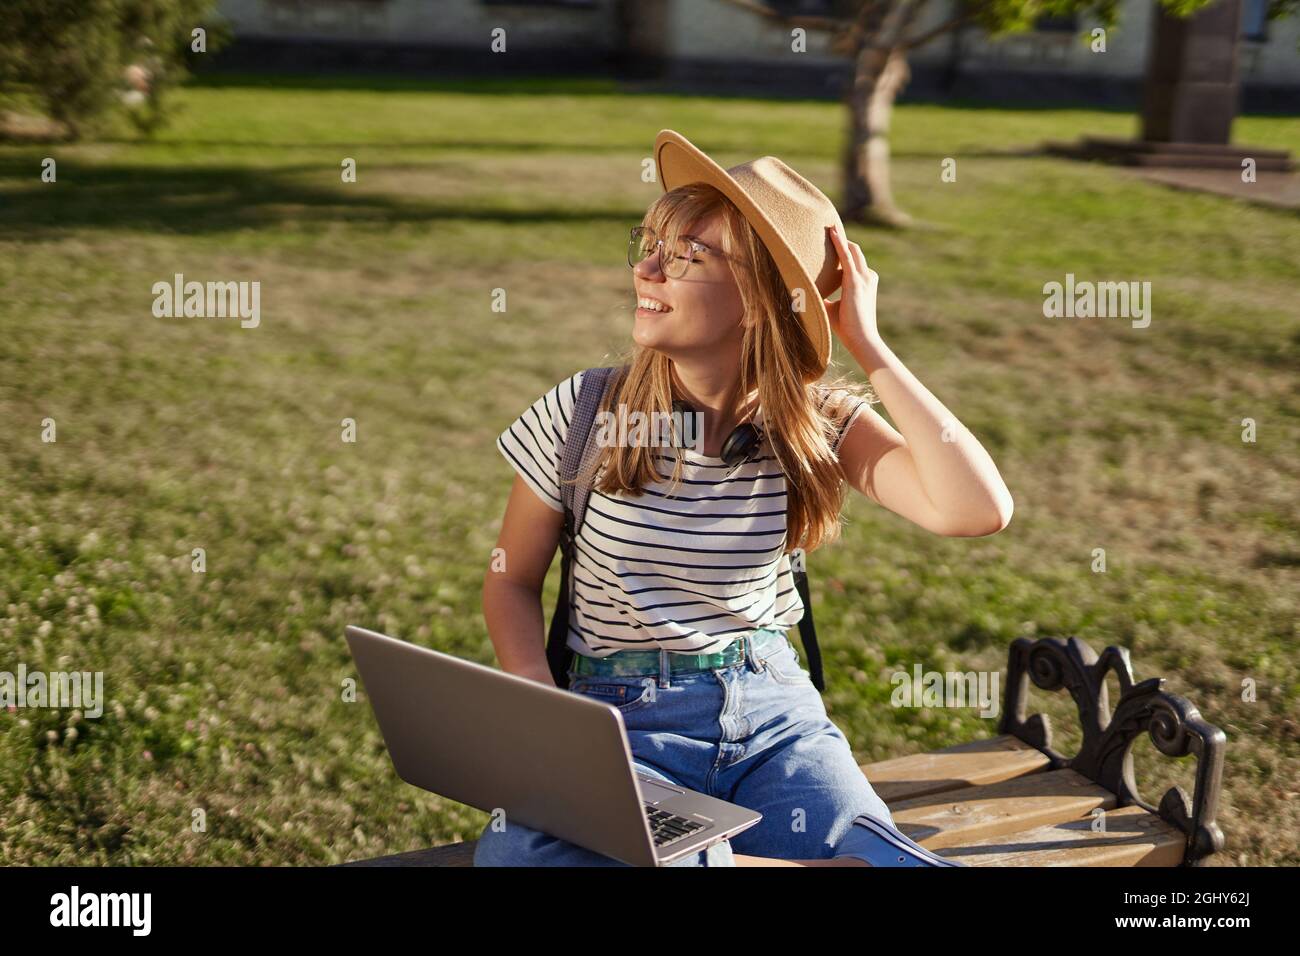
627 663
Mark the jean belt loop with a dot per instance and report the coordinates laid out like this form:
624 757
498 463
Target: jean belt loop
665 668
751 656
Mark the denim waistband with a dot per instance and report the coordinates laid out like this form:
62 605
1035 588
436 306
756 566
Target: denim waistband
628 663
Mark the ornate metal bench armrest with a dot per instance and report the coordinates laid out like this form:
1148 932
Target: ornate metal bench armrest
1175 725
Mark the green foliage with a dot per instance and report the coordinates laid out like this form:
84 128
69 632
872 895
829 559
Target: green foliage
997 17
1000 17
86 60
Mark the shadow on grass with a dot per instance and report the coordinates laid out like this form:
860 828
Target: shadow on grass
499 146
364 82
596 84
1024 152
494 146
205 200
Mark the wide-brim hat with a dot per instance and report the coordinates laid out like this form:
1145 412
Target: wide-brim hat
789 214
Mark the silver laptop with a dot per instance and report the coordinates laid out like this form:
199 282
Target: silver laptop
552 759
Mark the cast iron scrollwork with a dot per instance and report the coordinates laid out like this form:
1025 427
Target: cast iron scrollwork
1105 756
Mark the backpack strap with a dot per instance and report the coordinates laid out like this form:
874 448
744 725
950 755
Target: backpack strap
577 461
807 629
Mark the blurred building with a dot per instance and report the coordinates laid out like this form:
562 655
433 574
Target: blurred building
693 43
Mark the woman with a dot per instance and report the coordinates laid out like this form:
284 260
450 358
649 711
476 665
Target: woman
682 582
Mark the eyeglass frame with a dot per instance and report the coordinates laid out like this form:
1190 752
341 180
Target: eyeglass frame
695 244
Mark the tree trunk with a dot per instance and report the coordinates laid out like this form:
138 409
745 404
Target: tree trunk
878 76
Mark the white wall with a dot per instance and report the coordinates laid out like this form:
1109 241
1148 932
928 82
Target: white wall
712 29
717 30
458 23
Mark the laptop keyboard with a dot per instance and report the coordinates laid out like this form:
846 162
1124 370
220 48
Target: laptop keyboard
667 827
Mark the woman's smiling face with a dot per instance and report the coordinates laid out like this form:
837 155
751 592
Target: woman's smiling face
697 314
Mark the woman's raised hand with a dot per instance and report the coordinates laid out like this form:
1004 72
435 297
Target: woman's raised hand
853 317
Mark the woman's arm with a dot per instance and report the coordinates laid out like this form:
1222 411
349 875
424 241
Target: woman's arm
935 473
512 589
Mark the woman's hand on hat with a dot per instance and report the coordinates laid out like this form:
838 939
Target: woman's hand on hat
853 316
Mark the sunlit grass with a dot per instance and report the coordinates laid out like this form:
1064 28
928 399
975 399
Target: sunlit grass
177 434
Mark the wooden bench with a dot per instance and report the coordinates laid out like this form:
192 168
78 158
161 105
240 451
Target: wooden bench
1013 800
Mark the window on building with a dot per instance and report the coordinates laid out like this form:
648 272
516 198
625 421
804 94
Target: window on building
1066 23
585 4
1254 22
818 8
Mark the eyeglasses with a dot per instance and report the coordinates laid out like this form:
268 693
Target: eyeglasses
673 263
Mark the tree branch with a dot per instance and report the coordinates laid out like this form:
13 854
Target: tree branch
913 11
928 35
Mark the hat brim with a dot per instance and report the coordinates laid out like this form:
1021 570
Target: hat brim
678 162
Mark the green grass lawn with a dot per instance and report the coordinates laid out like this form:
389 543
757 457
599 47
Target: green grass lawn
224 688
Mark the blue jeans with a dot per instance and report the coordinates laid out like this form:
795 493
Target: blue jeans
754 733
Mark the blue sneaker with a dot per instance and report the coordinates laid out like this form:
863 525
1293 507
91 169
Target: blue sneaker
886 846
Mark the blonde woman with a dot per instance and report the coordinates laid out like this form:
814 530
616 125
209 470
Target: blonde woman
682 581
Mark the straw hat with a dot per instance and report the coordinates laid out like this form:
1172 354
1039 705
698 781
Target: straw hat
789 214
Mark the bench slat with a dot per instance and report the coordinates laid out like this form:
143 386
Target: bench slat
987 802
957 817
1133 837
971 764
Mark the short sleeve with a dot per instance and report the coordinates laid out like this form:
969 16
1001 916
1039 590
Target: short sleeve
534 442
844 408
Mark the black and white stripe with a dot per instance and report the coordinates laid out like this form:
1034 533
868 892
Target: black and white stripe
686 571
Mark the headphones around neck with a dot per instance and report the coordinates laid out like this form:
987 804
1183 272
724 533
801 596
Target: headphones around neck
741 444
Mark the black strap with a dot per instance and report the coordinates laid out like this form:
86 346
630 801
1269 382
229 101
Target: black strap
808 631
578 460
558 652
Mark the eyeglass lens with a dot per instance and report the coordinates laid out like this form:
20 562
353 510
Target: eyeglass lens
643 242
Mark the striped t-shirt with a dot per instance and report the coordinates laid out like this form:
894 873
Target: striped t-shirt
687 572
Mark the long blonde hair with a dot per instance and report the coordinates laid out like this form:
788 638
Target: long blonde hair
776 356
